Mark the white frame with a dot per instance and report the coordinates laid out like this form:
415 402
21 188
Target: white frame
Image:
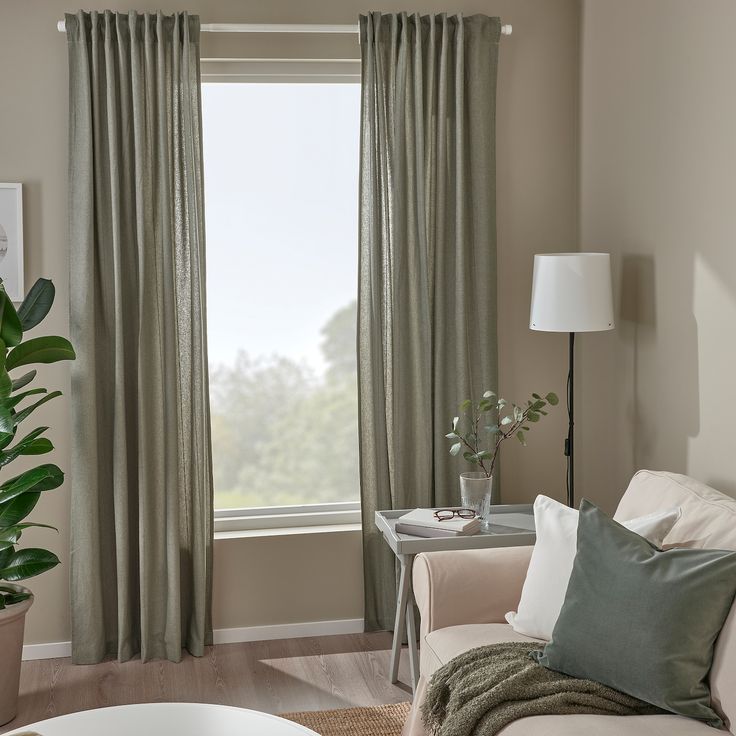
234 71
16 294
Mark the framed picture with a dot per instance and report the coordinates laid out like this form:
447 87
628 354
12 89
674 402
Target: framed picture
11 240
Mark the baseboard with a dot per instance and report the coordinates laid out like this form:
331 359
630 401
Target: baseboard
289 631
53 650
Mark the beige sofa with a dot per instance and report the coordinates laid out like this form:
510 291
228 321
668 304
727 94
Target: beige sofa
463 596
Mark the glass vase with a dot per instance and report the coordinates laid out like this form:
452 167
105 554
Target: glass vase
475 493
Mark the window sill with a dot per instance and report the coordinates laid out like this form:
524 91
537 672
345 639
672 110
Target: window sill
286 531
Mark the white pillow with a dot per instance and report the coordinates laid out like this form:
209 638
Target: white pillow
552 558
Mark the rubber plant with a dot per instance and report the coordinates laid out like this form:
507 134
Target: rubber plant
20 494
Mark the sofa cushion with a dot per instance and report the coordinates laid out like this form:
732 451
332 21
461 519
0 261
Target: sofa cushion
708 521
590 725
440 646
444 644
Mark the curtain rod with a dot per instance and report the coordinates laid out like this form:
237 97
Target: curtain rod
278 28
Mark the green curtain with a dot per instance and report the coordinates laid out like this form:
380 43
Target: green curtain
427 284
141 527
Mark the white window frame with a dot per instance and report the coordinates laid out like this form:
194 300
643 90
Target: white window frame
233 71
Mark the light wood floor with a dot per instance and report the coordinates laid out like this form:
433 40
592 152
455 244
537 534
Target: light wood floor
273 676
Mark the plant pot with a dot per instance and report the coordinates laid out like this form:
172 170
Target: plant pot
12 623
475 491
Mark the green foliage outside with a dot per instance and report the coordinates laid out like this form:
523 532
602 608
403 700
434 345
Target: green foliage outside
283 435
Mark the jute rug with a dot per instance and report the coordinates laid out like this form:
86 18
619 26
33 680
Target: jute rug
378 720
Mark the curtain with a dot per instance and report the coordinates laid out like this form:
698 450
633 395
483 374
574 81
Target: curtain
427 282
141 526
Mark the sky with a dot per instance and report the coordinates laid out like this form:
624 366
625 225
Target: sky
281 199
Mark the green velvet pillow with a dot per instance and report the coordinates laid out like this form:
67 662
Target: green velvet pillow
642 620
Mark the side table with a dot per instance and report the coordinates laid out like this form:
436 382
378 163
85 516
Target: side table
512 525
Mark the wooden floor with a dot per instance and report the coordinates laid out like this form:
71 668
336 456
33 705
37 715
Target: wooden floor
273 676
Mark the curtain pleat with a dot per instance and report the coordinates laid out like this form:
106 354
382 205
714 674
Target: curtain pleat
141 523
427 280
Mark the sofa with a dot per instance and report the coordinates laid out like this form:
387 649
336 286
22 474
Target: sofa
463 596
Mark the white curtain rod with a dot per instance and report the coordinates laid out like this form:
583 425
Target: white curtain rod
278 28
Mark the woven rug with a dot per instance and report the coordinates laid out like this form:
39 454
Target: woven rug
378 720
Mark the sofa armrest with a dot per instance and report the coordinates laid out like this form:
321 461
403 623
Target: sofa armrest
474 586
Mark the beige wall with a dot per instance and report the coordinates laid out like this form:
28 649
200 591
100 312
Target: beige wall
315 577
658 180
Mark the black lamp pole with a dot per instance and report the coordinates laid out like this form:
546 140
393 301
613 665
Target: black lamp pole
569 442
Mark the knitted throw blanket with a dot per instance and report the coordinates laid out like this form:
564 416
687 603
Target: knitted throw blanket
480 691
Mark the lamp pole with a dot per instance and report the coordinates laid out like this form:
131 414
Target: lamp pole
570 441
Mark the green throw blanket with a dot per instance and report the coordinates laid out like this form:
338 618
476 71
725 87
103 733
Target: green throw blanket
481 691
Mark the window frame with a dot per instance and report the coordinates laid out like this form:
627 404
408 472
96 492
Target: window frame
234 71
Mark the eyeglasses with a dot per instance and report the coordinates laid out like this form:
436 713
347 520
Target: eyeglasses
447 514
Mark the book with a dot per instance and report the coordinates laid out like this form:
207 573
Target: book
426 518
429 531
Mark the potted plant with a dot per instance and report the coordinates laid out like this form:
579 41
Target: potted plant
20 494
481 432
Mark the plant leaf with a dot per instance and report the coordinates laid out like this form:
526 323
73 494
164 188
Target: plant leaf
17 509
13 533
455 420
37 303
505 421
520 437
47 349
466 405
6 420
21 415
552 398
24 380
455 449
37 447
488 395
11 331
6 384
26 563
43 478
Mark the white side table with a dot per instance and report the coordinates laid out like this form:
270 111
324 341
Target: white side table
162 719
512 526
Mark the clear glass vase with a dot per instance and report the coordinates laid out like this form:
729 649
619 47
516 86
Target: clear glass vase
475 493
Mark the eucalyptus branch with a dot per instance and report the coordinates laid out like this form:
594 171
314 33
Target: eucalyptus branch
510 423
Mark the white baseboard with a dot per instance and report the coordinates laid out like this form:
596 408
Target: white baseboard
289 631
52 650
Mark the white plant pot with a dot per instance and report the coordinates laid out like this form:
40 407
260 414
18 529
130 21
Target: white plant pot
12 624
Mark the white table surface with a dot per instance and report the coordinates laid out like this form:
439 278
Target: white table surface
162 719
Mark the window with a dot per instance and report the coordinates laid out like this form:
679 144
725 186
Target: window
281 179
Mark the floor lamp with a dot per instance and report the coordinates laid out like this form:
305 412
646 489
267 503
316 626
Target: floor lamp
571 292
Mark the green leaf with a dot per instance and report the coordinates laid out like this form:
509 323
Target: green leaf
455 449
17 509
5 556
485 405
43 478
6 420
552 398
15 597
5 545
532 416
47 349
484 455
505 421
501 403
37 447
451 436
520 437
26 563
37 303
536 396
488 395
470 457
492 429
21 415
24 380
518 413
466 405
11 332
12 401
6 384
14 533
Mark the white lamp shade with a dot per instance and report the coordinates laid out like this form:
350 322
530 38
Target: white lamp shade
571 292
